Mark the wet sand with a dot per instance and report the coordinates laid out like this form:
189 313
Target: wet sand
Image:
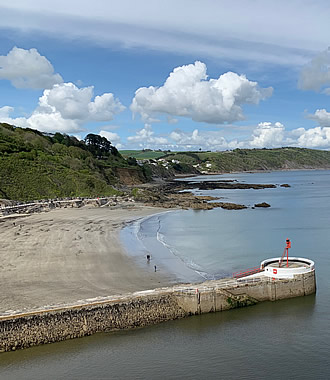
67 255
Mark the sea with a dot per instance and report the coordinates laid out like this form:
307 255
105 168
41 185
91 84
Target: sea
288 339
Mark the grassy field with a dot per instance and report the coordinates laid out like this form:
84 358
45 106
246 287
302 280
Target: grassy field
142 154
255 159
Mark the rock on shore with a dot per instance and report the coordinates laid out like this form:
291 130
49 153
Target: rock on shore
263 204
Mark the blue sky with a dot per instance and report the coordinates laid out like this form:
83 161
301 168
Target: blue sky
173 75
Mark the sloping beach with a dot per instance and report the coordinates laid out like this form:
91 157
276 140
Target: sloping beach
67 255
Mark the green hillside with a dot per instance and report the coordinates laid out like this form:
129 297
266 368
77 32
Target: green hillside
34 165
253 159
37 166
145 154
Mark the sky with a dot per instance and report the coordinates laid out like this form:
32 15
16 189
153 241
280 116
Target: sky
177 75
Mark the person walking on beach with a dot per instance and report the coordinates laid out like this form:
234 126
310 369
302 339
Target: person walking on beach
148 258
155 268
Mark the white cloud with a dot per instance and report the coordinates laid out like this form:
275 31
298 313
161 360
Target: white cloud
196 139
268 135
316 74
317 137
104 107
146 136
67 99
264 135
219 29
187 92
5 112
113 137
76 103
49 122
66 108
321 116
28 69
6 118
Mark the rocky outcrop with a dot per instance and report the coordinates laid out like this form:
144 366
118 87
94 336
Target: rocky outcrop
174 194
5 202
263 204
232 185
185 200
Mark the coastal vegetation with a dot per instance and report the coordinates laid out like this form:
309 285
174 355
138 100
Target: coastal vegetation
144 154
36 165
252 159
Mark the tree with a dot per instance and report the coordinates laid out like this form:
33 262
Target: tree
99 146
132 161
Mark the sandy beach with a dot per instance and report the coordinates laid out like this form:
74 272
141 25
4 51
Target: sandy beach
66 255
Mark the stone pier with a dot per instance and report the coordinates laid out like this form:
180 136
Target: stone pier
139 309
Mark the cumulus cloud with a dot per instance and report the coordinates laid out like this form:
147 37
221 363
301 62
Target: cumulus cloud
67 99
318 137
197 139
5 117
113 137
189 93
321 116
316 74
146 136
5 112
76 103
66 108
28 69
268 135
264 135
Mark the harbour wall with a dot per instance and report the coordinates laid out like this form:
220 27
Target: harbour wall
144 308
21 209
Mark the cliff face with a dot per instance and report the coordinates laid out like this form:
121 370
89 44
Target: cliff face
130 176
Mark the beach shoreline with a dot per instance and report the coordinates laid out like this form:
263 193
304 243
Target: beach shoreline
68 255
72 254
150 241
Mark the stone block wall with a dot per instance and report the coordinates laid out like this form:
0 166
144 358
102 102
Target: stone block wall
143 309
58 325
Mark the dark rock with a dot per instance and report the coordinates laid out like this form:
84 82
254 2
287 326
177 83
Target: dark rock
285 185
232 206
232 185
263 204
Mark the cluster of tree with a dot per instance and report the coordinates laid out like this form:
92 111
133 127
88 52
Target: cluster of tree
99 146
15 139
36 165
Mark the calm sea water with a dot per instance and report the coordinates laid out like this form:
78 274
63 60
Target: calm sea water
287 339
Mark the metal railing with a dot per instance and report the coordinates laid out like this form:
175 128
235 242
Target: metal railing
247 272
